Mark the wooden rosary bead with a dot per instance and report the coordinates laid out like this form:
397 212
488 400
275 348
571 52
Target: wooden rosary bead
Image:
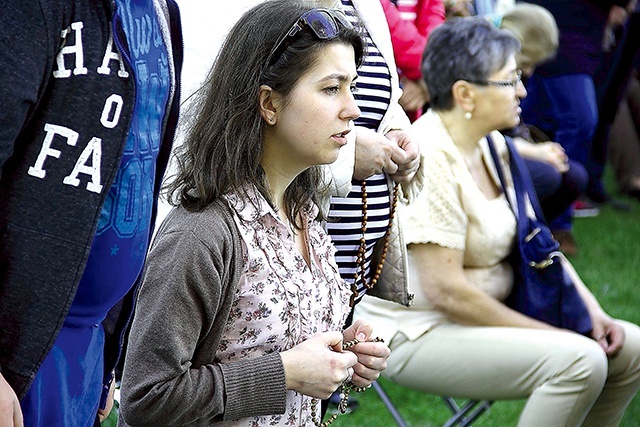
346 388
362 249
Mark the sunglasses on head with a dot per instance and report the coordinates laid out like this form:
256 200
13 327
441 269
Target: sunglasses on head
324 23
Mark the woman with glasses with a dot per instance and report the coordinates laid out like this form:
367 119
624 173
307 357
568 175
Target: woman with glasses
239 318
459 338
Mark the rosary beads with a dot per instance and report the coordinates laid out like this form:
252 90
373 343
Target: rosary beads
362 248
346 388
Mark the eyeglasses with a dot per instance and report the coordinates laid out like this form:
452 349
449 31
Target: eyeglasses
324 23
501 83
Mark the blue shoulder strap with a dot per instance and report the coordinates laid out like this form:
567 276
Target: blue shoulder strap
521 179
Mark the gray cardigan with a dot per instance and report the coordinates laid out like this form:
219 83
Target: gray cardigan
170 375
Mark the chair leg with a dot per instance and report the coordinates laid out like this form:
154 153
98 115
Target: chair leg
463 416
466 414
481 409
390 407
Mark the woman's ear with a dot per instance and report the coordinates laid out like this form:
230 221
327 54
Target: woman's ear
464 95
267 104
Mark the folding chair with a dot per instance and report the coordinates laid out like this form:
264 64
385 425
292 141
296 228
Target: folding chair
462 415
465 414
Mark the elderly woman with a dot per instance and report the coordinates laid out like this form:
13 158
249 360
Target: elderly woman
459 338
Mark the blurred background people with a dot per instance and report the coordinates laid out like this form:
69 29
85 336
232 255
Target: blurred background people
624 141
621 59
558 180
562 99
410 22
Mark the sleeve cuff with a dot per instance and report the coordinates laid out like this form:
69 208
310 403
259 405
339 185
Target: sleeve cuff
254 387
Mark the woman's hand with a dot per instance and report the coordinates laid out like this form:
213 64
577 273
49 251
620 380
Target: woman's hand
375 154
10 412
552 152
409 159
548 152
414 94
608 333
103 414
372 355
317 366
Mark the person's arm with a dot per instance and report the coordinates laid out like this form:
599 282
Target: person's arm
409 160
375 153
442 278
396 154
10 412
366 153
170 374
548 152
606 331
25 56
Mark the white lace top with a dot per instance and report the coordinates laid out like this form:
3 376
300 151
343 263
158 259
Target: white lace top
281 300
451 211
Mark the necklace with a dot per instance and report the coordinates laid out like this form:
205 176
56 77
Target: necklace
362 248
345 389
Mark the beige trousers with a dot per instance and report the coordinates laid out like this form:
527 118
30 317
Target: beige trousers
567 378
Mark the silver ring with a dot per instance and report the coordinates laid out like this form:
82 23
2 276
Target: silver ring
349 374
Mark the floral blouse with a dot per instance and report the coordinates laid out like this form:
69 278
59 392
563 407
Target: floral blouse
281 300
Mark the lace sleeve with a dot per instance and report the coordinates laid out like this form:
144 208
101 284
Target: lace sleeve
436 216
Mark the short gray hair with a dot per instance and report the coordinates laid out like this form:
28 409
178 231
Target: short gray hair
468 48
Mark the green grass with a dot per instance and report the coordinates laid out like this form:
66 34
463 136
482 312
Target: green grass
609 263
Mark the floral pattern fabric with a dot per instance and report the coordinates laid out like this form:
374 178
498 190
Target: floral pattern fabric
281 300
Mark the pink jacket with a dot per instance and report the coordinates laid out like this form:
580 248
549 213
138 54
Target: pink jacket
409 38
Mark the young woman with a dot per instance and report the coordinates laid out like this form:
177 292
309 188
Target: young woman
239 317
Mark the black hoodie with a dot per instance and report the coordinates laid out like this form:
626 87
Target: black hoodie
62 95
